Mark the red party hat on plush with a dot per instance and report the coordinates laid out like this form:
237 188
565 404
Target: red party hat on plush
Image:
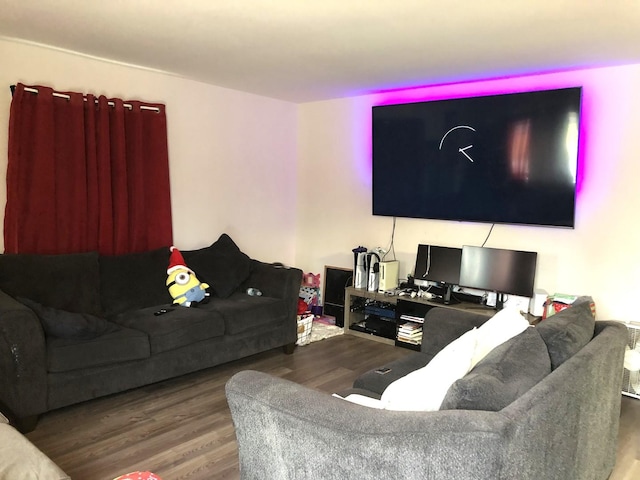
175 260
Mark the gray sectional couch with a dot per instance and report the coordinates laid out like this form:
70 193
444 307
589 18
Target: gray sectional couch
543 405
80 326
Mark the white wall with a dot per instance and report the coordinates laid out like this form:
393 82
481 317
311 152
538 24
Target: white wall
292 183
232 155
599 257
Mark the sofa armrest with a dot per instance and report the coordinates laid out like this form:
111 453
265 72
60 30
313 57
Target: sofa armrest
277 282
443 325
23 359
20 459
288 431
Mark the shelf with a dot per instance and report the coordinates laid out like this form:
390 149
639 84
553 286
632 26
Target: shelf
358 309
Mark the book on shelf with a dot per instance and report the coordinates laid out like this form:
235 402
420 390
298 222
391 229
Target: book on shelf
412 318
413 337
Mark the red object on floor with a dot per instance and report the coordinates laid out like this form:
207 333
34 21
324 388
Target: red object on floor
138 476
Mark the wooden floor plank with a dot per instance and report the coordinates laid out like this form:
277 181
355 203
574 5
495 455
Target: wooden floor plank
182 429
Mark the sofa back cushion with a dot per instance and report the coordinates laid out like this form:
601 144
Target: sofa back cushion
424 389
134 280
67 282
502 376
222 265
568 331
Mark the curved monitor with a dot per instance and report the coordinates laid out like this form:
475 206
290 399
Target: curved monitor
498 270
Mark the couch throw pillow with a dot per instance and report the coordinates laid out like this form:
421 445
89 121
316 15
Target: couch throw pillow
63 324
504 325
566 332
222 265
424 389
505 374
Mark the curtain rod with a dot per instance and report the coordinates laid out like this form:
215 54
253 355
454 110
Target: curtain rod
63 95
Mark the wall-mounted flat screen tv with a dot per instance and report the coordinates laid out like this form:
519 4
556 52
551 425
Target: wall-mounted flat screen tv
509 158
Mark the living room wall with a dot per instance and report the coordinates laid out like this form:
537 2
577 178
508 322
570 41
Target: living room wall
232 155
599 257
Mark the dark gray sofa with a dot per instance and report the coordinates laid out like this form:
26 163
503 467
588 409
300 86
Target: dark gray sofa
506 419
80 326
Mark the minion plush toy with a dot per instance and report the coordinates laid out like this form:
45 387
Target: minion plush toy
184 287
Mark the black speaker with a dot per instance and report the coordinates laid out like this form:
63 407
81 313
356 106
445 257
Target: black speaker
336 279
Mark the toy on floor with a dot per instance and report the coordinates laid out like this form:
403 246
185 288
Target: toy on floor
184 287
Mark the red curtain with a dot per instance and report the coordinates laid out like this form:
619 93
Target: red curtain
86 174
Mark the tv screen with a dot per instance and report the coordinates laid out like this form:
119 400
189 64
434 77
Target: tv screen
498 270
508 158
437 264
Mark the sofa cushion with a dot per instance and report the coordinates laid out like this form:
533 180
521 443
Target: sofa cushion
222 265
22 460
504 325
566 332
425 389
134 281
242 312
502 376
63 324
121 345
178 327
443 325
376 383
66 282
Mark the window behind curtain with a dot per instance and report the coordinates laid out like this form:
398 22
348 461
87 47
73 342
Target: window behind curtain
86 174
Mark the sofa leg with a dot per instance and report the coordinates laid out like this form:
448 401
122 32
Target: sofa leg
26 424
289 348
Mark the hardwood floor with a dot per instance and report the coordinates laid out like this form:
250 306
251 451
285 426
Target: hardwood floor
181 428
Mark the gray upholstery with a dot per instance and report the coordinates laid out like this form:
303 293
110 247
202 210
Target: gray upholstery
41 371
563 428
377 383
76 354
568 331
66 282
502 376
441 327
176 328
132 281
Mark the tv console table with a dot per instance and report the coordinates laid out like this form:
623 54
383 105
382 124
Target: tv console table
394 319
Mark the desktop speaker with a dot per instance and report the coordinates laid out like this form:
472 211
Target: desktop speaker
388 272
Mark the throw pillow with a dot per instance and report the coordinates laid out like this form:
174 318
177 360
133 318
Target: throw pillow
222 265
566 332
425 388
502 376
63 324
505 324
363 400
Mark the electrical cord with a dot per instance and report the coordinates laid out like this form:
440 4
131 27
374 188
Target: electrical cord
488 235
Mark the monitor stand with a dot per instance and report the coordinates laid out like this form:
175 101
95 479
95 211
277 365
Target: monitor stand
447 298
500 299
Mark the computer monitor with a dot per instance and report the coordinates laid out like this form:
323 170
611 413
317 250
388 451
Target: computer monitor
440 265
498 270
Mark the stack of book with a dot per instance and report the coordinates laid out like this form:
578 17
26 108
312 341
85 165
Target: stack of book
410 333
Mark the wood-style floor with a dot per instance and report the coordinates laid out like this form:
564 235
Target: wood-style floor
181 428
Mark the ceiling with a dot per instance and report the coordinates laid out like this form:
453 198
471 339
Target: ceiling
308 50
